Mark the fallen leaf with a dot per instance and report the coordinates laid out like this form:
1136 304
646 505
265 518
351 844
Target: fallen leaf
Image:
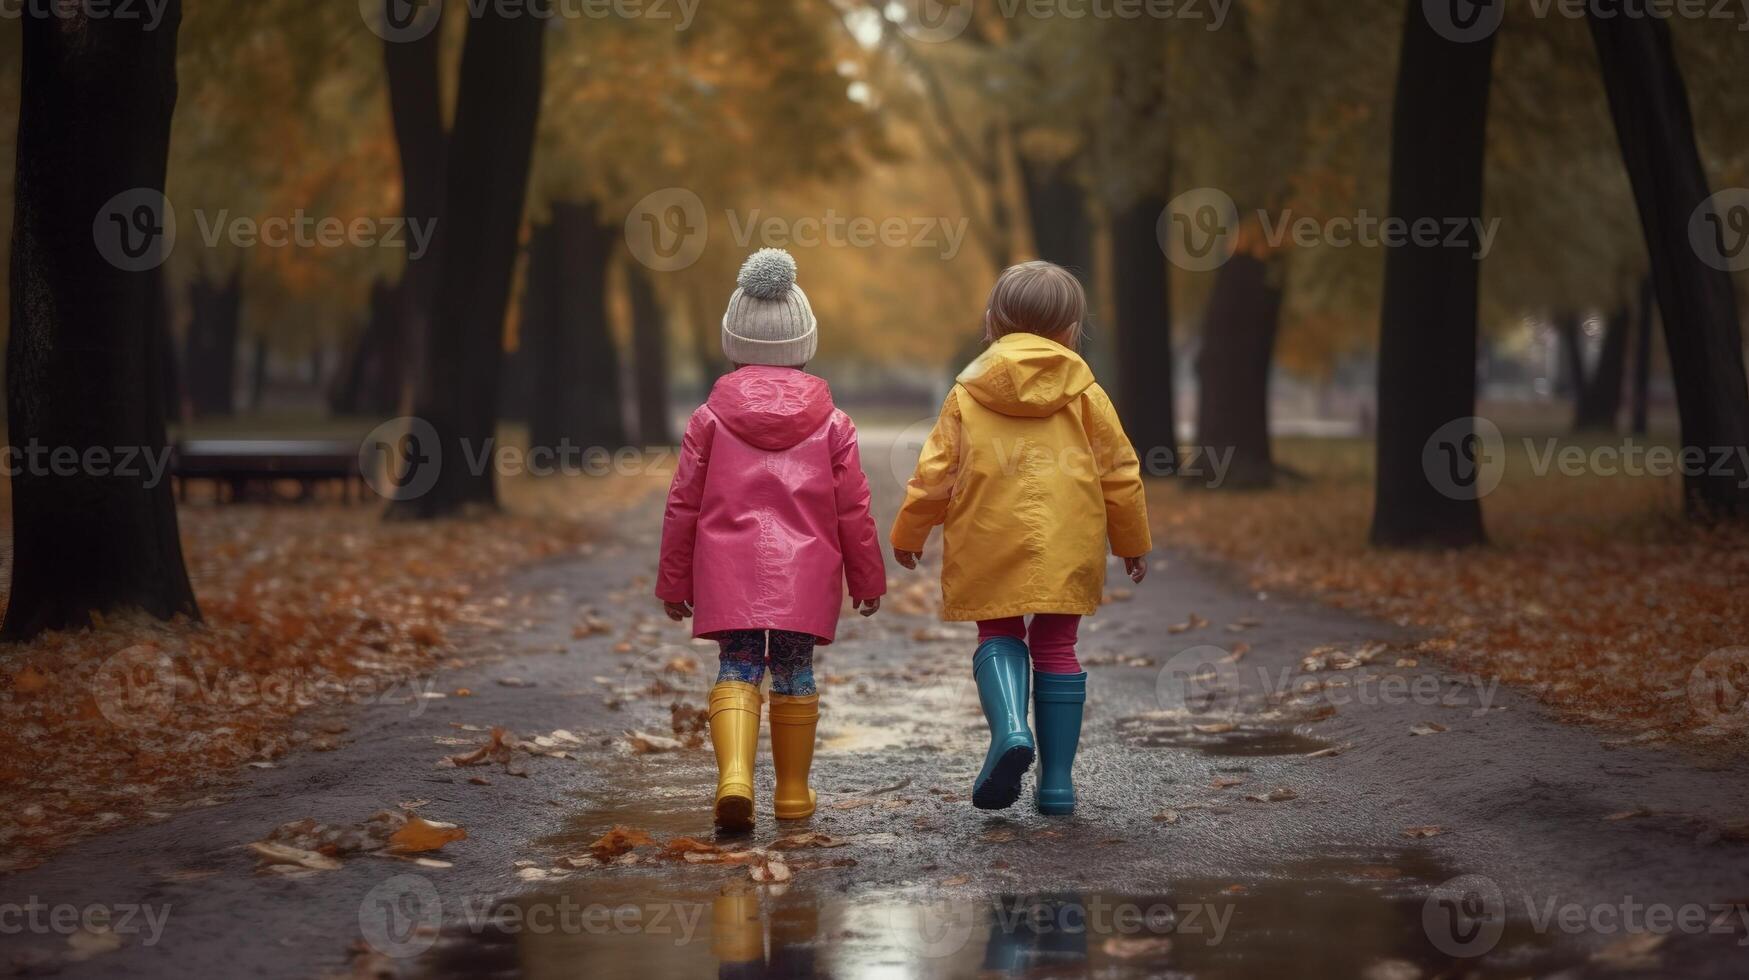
1428 728
681 846
1635 951
418 835
643 743
618 841
87 943
276 854
771 870
1420 833
1391 970
956 881
810 839
1166 816
29 680
1130 948
1279 794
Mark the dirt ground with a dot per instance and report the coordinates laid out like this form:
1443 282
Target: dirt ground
1269 787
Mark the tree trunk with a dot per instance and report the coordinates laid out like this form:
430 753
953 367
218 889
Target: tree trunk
707 341
1427 326
414 73
1570 331
258 375
1141 292
1647 315
1232 389
83 355
174 406
210 348
497 108
1649 102
576 389
650 345
1062 230
1597 400
536 324
370 383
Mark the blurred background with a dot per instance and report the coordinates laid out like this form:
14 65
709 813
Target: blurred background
905 153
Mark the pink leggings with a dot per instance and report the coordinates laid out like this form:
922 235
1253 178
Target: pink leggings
1052 639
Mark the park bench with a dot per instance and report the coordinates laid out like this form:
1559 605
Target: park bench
237 463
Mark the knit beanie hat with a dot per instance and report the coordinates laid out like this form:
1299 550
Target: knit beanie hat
769 320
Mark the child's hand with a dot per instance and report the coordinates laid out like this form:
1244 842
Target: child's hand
677 611
868 607
1137 568
908 559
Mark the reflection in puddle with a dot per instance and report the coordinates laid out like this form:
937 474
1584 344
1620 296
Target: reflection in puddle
665 802
1237 742
1340 921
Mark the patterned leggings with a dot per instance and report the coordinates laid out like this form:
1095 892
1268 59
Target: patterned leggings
744 653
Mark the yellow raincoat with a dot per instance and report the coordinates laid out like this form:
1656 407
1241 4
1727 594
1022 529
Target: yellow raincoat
1030 473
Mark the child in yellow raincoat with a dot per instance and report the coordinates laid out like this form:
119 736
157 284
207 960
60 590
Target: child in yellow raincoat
1030 474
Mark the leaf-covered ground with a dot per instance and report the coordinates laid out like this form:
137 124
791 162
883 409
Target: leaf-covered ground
1594 594
303 606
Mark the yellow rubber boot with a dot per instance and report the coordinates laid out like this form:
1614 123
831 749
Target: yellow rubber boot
737 935
735 734
793 720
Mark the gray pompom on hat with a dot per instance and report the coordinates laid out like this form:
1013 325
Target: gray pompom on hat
769 320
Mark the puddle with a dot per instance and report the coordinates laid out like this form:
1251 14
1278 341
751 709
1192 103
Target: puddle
666 803
1332 918
1240 742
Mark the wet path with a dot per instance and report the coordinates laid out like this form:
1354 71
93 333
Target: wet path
1244 812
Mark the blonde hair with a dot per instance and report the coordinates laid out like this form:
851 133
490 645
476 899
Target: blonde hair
1036 297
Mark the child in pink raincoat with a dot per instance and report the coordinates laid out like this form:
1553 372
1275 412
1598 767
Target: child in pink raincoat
767 524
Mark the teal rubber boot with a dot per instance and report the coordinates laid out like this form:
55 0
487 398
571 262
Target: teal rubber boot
1001 667
1059 698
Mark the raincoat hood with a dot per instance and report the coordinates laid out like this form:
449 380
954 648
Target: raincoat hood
772 408
1025 375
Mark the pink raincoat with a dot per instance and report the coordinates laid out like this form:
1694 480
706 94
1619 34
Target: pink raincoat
768 516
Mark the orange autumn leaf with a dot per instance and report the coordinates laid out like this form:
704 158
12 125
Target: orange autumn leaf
618 841
29 680
418 835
